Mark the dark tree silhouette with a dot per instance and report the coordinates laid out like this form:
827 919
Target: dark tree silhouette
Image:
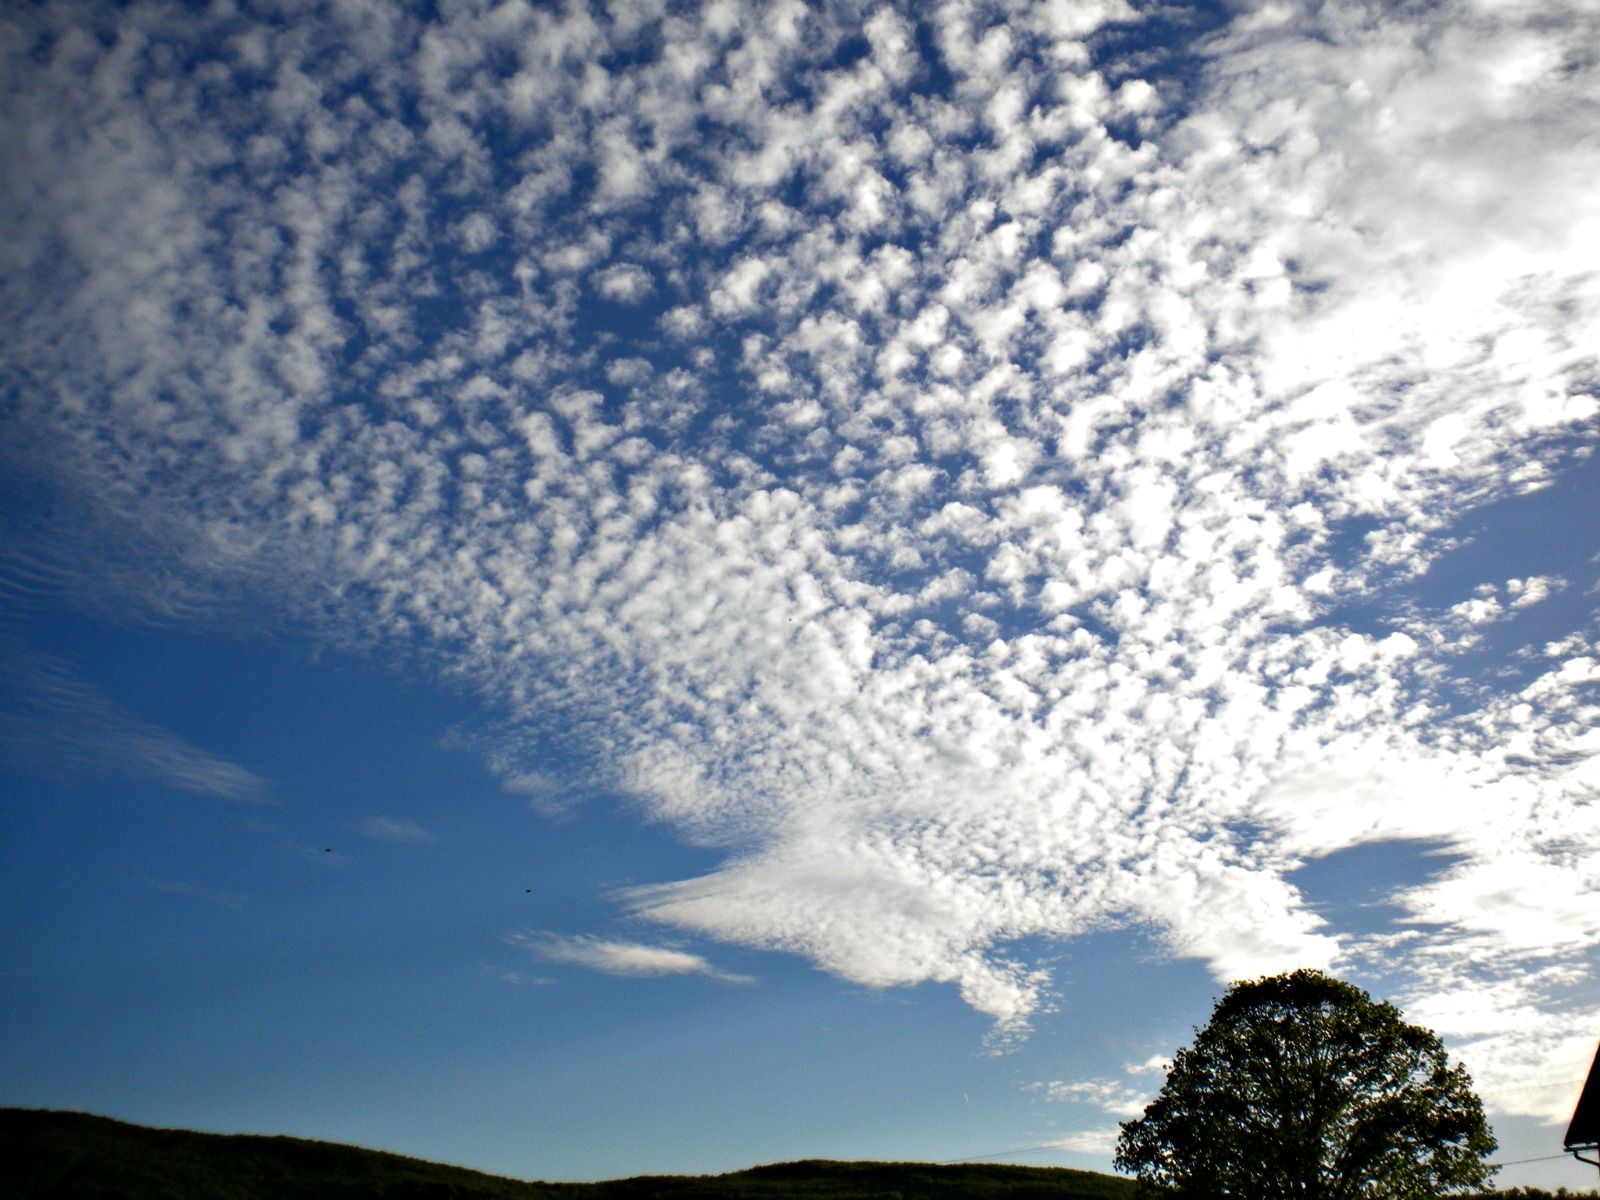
1302 1087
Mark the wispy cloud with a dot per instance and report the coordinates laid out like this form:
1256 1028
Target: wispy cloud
176 887
394 829
620 958
58 726
1102 1141
1111 1096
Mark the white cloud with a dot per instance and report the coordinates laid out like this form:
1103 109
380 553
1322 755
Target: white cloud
1532 590
1113 1097
620 958
394 829
627 283
1101 1142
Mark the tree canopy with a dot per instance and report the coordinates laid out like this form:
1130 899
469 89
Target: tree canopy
1302 1087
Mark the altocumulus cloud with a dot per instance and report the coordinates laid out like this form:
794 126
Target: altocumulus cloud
934 464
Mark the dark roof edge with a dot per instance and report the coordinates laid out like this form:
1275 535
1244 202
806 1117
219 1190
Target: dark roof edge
1584 1132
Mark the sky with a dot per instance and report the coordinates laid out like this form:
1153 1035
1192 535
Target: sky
651 586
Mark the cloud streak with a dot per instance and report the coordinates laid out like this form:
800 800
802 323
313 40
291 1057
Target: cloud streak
394 829
56 725
620 958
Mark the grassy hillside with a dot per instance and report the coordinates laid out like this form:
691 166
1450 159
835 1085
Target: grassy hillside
67 1156
75 1156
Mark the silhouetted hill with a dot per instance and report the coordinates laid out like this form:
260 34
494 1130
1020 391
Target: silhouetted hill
76 1156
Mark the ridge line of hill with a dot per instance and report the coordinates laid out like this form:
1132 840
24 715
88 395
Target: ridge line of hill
65 1155
60 1154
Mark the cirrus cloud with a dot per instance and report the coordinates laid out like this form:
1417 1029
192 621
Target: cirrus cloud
620 958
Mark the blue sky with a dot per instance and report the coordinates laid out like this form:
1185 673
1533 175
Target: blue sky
653 587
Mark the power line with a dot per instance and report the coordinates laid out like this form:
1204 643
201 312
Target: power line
950 1162
1519 1161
